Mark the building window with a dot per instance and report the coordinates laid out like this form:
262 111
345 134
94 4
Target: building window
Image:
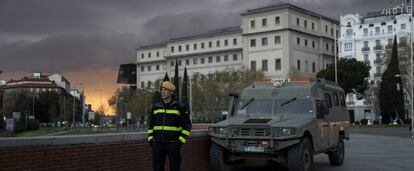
403 26
348 47
179 48
149 68
226 58
277 20
195 46
278 64
142 84
187 47
264 41
218 59
313 26
179 62
172 50
235 57
298 40
332 32
226 42
142 69
377 42
306 42
298 65
264 22
389 41
313 44
187 62
202 61
313 67
326 28
306 66
234 41
297 21
365 43
142 55
348 32
264 65
172 63
377 30
365 31
149 54
253 65
252 24
149 84
252 42
210 59
389 28
195 61
210 44
158 54
202 45
277 40
305 23
157 67
218 43
327 46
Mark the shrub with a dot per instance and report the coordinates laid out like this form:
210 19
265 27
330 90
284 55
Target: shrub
364 121
376 122
357 123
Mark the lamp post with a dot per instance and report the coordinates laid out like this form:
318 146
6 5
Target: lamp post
411 71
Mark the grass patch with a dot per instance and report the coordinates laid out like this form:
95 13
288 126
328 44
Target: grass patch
40 131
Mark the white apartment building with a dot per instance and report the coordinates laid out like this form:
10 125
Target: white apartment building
281 40
366 38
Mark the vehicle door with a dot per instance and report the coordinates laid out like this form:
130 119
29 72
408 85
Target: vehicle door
322 114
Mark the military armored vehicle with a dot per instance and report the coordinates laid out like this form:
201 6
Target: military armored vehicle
283 122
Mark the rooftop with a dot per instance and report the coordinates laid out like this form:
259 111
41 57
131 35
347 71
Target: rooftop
210 33
282 5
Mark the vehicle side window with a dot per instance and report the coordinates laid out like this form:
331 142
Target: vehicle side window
336 100
321 109
328 99
342 99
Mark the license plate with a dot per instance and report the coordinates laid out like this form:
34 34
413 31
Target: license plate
252 148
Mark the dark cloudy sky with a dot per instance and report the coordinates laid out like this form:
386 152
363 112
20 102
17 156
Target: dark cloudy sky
74 37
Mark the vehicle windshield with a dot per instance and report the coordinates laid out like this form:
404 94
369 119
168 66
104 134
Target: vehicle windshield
253 107
293 106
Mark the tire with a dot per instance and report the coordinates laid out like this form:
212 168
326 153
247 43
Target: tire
336 158
217 159
300 156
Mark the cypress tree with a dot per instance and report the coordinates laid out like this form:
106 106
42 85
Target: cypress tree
176 82
391 91
184 93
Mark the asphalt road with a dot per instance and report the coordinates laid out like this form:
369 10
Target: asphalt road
366 152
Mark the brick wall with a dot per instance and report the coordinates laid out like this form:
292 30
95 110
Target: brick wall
95 152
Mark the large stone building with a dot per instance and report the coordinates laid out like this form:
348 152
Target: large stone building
281 40
367 38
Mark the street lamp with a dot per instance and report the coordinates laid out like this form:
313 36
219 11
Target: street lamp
411 73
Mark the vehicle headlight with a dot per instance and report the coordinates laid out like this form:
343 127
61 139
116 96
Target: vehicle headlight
287 131
222 130
218 130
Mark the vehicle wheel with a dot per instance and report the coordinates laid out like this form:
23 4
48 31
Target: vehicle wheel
217 159
336 158
300 156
